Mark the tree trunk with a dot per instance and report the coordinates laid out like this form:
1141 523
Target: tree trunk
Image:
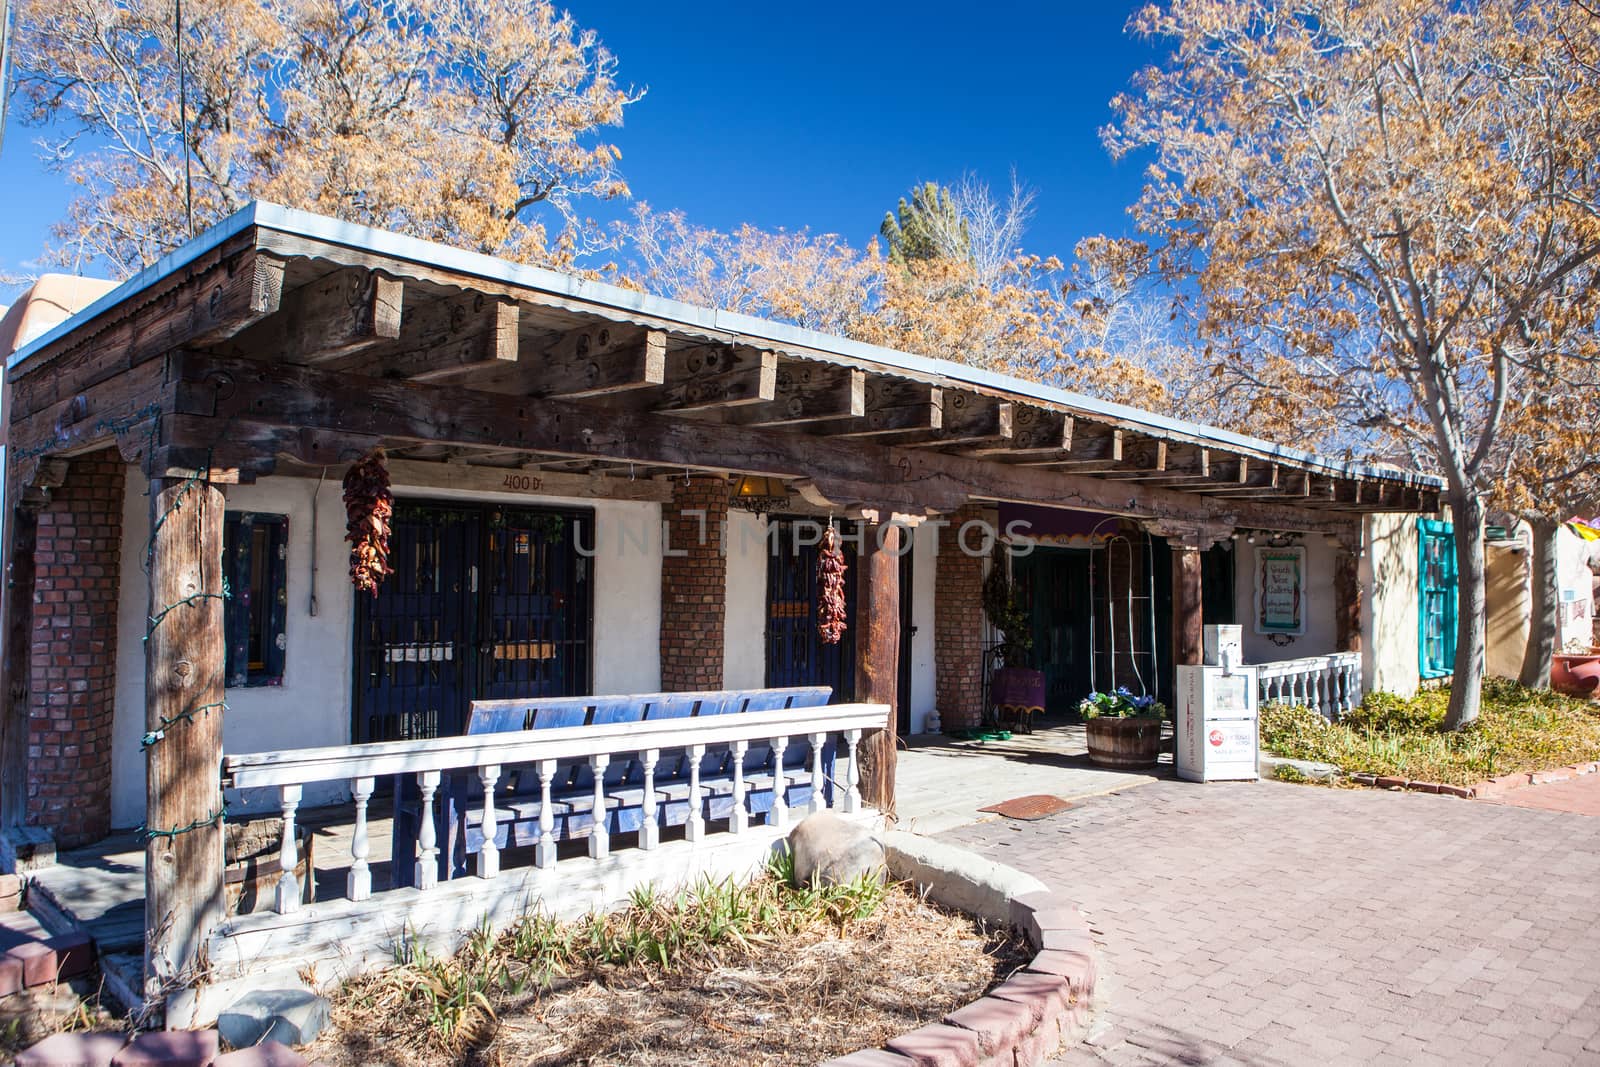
1543 622
877 624
1466 686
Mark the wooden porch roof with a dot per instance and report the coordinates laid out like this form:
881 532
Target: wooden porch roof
281 335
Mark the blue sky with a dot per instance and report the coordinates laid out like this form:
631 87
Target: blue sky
822 115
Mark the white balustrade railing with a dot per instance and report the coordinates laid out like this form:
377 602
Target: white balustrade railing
488 755
1330 684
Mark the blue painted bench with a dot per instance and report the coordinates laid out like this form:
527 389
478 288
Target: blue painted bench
518 793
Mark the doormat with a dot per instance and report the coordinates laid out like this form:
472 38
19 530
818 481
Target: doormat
1029 808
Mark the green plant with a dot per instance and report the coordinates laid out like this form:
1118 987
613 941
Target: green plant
1121 704
1288 772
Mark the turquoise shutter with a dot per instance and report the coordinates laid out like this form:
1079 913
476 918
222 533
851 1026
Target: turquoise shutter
1437 598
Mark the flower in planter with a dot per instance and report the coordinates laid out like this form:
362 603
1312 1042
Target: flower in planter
1121 704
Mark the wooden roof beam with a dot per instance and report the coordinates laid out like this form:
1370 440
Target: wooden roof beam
1035 433
340 314
717 376
450 339
893 406
968 418
1089 445
807 391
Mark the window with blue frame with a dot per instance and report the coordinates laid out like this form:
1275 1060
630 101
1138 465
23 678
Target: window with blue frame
1436 593
255 551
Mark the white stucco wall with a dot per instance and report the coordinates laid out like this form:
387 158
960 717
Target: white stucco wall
312 707
744 629
1320 608
1389 605
1575 588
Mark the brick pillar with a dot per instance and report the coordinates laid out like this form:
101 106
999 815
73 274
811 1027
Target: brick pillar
694 575
74 668
958 624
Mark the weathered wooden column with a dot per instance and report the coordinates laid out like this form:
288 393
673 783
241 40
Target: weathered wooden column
1187 609
1347 588
22 533
184 666
1186 542
877 624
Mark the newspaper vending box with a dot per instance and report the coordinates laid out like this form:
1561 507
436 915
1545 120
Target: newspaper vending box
1217 724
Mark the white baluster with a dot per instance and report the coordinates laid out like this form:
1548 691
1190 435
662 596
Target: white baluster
695 828
287 896
852 777
779 814
599 836
489 854
358 883
739 821
650 828
544 855
817 801
427 835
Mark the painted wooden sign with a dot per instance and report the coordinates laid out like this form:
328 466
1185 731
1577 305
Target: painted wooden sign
1280 590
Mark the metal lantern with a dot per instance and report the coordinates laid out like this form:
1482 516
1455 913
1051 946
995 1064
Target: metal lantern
758 493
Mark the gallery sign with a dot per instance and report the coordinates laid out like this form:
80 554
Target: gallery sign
1280 590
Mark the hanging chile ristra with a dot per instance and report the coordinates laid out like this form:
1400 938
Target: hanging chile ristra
368 507
830 588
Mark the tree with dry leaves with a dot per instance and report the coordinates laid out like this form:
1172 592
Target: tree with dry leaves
474 122
1388 207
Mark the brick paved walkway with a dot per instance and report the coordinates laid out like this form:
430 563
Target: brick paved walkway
1279 924
1580 796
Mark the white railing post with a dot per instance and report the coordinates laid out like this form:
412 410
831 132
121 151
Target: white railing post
427 835
818 803
739 821
489 854
599 836
544 855
358 883
695 827
778 815
852 777
287 896
650 825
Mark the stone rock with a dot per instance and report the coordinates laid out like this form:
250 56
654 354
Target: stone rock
78 1050
291 1016
266 1054
829 850
169 1048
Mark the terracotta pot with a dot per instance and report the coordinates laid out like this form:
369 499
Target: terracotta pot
1124 742
1577 674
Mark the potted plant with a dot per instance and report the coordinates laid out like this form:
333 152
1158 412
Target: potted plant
1124 730
1575 670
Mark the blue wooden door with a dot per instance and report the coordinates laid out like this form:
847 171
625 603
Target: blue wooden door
1436 598
796 654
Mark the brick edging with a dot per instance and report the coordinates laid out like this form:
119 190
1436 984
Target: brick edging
1023 1020
1486 789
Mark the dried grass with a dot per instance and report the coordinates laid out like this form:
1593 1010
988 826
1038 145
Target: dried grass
799 982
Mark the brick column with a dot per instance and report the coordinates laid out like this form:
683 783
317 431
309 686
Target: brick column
958 625
78 561
694 575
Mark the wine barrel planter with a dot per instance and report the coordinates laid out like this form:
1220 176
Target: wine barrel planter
1131 742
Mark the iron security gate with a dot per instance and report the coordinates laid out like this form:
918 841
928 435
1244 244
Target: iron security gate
796 654
483 603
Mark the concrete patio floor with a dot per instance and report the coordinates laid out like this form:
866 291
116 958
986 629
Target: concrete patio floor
940 784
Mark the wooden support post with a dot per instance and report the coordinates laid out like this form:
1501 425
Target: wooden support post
1347 590
1186 606
183 717
22 534
877 624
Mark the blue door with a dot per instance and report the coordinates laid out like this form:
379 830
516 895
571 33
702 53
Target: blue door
1436 598
796 653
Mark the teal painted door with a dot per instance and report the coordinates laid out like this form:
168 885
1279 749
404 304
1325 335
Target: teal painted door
1436 608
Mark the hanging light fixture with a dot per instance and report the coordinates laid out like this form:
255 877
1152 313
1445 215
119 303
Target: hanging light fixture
758 493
